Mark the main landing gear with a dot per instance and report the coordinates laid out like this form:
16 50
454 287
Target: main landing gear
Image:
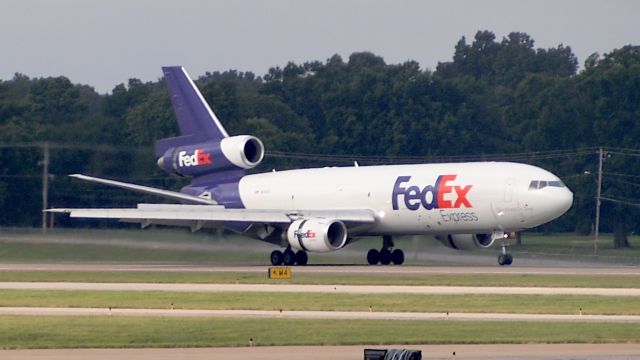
505 258
385 256
288 257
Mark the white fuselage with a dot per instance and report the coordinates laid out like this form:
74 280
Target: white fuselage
475 197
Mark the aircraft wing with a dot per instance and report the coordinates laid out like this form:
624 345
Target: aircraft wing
198 216
201 212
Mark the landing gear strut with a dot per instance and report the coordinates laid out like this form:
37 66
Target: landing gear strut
288 257
385 256
505 258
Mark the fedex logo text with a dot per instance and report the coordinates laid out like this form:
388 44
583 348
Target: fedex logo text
309 234
199 157
435 196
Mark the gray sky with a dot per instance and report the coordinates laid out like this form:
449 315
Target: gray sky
104 43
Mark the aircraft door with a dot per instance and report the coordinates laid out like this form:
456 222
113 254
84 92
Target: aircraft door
506 208
508 190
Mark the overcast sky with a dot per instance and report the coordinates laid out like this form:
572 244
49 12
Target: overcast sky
104 43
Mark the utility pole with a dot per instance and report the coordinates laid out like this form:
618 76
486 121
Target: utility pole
599 189
45 184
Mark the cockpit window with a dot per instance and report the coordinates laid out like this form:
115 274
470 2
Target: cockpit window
539 184
556 183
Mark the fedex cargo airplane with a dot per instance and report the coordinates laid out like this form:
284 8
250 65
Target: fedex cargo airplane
464 205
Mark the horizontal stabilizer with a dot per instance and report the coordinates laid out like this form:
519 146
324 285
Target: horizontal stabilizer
173 195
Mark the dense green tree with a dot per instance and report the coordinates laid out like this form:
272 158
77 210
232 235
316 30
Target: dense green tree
495 97
507 62
611 90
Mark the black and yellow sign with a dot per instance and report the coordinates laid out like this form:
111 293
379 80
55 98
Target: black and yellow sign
280 272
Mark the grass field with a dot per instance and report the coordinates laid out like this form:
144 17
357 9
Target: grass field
106 332
177 247
536 304
48 252
206 277
578 248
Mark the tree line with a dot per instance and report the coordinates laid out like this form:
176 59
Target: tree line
493 99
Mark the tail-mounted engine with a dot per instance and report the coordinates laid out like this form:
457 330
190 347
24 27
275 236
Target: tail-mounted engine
317 235
467 241
230 153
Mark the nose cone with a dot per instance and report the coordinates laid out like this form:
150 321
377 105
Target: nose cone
564 201
557 202
548 204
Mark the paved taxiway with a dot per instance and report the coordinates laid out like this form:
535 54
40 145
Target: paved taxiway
493 351
452 351
333 269
290 314
337 289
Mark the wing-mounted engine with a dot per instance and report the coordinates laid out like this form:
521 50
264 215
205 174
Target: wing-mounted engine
230 153
317 235
466 241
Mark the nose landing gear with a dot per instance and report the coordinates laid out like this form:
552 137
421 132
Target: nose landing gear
386 256
505 258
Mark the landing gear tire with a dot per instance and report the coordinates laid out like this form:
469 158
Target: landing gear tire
289 257
385 257
373 257
277 258
397 257
505 259
301 258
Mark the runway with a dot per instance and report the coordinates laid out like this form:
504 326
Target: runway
336 289
331 269
319 315
485 352
354 352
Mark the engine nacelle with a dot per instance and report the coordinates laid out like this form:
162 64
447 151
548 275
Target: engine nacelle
243 151
466 241
236 152
317 235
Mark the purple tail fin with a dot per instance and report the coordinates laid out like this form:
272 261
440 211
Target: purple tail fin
196 121
203 150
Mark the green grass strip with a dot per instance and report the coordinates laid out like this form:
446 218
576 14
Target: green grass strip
160 245
16 251
203 277
116 332
537 304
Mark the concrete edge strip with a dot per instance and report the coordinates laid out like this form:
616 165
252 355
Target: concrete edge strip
351 315
345 289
